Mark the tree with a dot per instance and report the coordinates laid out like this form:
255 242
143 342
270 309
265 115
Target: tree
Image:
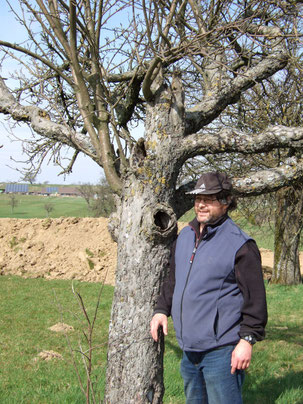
289 223
12 201
29 177
92 70
99 198
103 204
287 106
49 207
87 191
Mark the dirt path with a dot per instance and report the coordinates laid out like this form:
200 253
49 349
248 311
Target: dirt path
65 248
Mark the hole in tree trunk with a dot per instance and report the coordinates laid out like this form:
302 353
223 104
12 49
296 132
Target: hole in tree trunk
162 219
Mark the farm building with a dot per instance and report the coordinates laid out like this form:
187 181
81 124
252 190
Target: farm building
16 189
46 191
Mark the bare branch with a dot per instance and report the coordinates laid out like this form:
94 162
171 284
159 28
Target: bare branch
41 123
206 111
265 181
149 77
231 140
254 183
46 62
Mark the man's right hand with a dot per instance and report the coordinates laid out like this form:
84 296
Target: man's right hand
159 320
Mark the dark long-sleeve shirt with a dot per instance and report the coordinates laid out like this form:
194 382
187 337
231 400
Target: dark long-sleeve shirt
249 277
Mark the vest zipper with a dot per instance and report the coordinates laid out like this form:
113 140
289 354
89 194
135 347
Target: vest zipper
189 271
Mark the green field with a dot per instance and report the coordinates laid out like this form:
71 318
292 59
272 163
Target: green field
31 206
28 307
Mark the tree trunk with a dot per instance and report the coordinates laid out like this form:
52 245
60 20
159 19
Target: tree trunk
288 227
147 228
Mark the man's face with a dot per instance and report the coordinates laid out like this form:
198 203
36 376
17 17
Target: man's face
208 209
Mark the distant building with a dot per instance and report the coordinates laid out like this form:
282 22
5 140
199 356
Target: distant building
16 189
69 191
52 190
45 191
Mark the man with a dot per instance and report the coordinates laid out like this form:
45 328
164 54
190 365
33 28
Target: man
216 296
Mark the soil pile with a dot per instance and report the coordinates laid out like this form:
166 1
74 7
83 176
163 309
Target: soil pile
65 248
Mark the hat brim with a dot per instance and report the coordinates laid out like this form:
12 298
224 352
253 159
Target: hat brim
204 192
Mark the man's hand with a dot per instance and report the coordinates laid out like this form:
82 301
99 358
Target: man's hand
159 320
241 356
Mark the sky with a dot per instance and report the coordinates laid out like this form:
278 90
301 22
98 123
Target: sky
85 169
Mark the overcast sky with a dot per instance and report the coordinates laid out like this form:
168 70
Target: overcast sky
85 170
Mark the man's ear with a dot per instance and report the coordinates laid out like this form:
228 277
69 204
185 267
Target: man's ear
226 201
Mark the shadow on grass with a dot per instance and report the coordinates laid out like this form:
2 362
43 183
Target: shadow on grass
282 385
175 348
272 388
289 334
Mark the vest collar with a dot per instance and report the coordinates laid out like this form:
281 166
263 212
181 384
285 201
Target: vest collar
208 228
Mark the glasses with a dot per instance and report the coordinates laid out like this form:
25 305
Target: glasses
206 200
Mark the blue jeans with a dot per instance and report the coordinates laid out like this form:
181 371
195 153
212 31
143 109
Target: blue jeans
207 377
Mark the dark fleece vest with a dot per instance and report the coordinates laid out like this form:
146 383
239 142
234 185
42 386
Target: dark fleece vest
207 301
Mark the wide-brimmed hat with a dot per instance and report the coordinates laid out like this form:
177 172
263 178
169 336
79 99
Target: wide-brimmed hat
212 183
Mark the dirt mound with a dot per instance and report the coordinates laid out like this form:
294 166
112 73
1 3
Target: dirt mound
64 248
62 328
48 356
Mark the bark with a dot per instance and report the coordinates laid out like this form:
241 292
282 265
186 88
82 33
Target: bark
289 222
270 180
147 228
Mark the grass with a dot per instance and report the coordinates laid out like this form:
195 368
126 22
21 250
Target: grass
32 206
276 373
30 306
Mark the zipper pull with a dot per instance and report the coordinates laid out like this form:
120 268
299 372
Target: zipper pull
193 255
